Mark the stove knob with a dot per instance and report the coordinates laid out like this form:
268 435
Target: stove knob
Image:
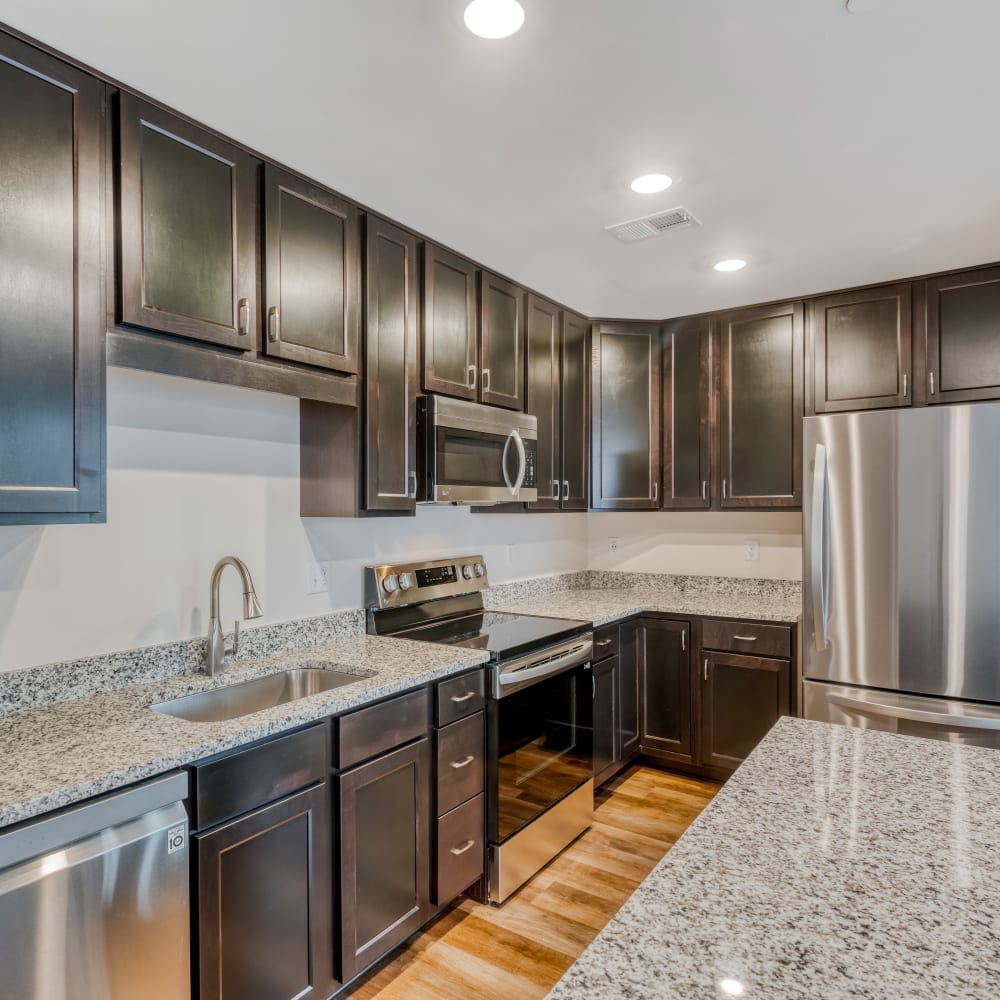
480 569
468 572
405 581
391 583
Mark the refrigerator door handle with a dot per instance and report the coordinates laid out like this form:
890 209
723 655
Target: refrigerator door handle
820 547
949 721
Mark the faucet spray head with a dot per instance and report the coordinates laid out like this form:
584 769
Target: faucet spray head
251 606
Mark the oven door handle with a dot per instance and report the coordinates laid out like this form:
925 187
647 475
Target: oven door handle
516 679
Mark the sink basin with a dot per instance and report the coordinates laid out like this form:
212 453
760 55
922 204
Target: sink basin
236 700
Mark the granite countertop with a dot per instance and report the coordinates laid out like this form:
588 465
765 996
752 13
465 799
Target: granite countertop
605 606
836 863
66 752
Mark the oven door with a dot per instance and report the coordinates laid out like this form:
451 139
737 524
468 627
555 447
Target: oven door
540 741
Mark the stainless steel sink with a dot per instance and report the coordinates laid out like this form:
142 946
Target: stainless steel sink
236 700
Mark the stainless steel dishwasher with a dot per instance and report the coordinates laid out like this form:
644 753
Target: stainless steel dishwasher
94 901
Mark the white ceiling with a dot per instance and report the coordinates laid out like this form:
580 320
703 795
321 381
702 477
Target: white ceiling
828 149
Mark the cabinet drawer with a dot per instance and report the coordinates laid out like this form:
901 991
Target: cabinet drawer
460 696
460 762
741 637
374 730
606 641
228 786
460 849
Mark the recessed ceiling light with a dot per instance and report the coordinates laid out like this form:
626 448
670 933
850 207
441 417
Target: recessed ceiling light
731 265
494 18
651 183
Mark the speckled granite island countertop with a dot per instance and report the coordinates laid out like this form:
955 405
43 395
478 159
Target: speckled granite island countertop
72 750
836 863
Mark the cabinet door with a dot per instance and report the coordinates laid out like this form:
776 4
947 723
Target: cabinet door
687 414
962 321
501 342
312 274
605 681
860 345
385 881
625 397
391 309
543 398
451 365
264 903
760 407
52 316
574 423
629 695
741 699
664 657
187 229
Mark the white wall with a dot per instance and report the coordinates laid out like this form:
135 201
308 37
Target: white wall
698 543
197 471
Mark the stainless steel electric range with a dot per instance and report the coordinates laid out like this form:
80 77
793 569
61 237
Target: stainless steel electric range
539 712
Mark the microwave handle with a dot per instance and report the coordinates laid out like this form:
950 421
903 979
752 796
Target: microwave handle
522 458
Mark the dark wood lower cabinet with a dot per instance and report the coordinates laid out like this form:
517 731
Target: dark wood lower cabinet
605 676
629 695
663 655
384 857
264 902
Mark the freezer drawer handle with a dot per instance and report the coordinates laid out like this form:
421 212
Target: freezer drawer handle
820 548
915 714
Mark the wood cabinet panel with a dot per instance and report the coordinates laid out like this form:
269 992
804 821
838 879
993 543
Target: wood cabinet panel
962 330
543 398
860 343
52 311
501 342
746 637
629 694
460 753
450 353
663 654
461 849
605 678
574 437
760 407
312 275
187 230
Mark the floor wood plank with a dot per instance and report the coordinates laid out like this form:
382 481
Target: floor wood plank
521 949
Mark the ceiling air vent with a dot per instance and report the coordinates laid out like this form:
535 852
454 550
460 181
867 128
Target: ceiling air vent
653 225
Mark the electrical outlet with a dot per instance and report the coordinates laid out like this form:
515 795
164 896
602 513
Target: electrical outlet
318 578
614 546
751 550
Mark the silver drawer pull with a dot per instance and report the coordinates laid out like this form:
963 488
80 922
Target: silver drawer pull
603 642
461 850
459 698
745 638
463 763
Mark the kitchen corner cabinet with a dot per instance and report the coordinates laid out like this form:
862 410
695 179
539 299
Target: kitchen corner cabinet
574 434
760 407
543 398
501 342
687 414
52 312
860 345
312 273
450 355
961 323
663 655
625 404
187 229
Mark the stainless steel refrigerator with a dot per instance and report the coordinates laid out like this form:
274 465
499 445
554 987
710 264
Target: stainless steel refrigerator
901 571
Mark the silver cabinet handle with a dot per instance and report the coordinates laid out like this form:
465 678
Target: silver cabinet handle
906 384
930 380
555 489
656 491
486 380
705 669
413 485
471 376
243 322
461 850
684 642
704 489
459 698
465 762
565 495
603 642
273 324
820 546
723 489
745 638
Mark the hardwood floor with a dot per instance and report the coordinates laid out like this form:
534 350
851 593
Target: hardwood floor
519 951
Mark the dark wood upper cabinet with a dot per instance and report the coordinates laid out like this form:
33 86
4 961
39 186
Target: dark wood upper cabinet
860 345
390 384
687 414
187 230
501 342
741 699
52 313
625 402
962 328
312 273
451 363
574 437
543 398
760 407
663 654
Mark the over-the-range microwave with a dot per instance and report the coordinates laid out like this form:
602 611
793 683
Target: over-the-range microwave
469 453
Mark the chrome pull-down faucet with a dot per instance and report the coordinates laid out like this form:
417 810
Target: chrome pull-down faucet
217 645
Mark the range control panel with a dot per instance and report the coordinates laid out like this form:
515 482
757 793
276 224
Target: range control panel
393 585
